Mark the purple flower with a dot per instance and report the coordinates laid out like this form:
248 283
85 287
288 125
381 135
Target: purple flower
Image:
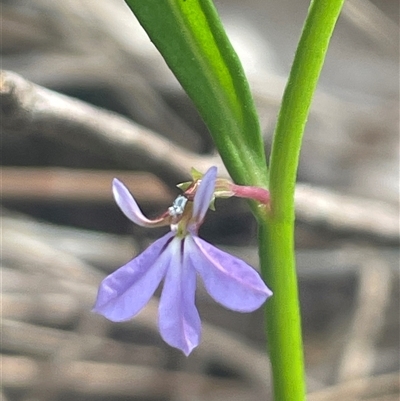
177 258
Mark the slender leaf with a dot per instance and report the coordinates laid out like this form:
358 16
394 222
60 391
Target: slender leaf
190 37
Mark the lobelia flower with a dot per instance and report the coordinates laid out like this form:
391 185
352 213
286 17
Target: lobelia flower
177 258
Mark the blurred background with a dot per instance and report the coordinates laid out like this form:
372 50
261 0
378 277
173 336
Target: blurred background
113 109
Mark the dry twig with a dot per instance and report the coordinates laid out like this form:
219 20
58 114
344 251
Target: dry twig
373 298
379 388
59 184
28 109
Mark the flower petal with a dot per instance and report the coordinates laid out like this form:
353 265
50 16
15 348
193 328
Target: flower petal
130 208
125 292
179 320
204 195
229 280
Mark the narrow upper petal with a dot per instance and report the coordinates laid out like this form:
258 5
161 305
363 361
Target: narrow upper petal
125 292
204 194
179 320
130 208
229 280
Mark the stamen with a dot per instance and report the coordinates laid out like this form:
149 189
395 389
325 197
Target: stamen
178 206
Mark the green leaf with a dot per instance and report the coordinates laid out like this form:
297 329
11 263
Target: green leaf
190 37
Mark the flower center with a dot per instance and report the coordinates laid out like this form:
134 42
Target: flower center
178 207
181 213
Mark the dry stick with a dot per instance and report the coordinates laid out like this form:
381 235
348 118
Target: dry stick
2 396
96 378
372 21
28 109
348 214
51 263
42 341
385 387
52 184
217 344
374 294
74 34
96 248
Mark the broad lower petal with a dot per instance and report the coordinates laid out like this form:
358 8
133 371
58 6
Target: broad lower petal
125 292
179 320
130 208
204 194
229 280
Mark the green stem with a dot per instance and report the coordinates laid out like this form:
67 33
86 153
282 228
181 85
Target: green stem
296 102
283 323
276 233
